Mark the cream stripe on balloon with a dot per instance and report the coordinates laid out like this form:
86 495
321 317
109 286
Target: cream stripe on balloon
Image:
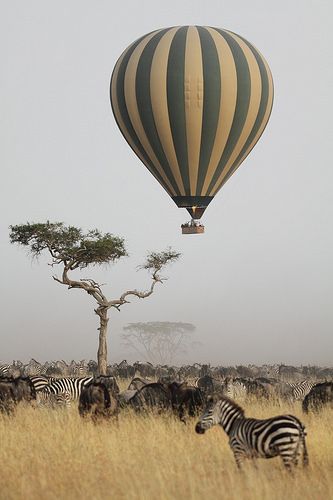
227 104
252 113
193 80
263 123
159 101
133 112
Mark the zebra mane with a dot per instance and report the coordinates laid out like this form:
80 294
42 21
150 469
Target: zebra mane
234 405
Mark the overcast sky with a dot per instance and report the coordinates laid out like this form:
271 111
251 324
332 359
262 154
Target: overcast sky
258 285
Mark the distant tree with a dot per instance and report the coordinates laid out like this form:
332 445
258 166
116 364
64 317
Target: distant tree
160 341
73 249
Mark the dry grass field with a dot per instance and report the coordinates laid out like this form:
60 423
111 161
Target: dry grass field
52 454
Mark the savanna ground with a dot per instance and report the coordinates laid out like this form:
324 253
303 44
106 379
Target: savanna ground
52 454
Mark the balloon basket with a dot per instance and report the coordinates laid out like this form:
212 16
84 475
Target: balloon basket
192 227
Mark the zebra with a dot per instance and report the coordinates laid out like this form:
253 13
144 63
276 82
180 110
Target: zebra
50 400
5 371
235 388
283 435
73 386
301 389
39 382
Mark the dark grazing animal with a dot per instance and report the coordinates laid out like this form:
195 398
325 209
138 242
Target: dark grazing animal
319 396
209 385
186 399
282 436
98 401
110 383
138 382
14 390
154 395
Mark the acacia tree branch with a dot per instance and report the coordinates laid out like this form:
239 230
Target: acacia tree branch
141 295
90 286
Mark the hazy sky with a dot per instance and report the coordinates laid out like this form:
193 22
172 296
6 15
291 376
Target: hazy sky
258 284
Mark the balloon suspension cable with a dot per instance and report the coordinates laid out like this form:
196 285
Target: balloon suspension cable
194 226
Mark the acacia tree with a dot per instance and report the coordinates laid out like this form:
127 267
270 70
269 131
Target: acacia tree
158 341
73 249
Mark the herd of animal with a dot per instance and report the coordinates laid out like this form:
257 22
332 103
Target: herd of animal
186 391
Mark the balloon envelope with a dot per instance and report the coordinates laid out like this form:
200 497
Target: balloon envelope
191 101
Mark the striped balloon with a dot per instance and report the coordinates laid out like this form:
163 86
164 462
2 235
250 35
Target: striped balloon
192 102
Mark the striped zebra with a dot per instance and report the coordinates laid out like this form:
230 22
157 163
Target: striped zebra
50 400
235 389
73 386
5 371
282 436
301 389
40 381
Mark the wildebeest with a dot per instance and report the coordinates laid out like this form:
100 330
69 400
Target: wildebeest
154 395
319 396
14 390
138 382
98 401
210 385
110 382
186 399
145 369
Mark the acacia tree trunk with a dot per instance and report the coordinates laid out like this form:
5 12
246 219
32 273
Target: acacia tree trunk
102 353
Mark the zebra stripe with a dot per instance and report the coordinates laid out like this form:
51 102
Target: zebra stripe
72 386
235 389
46 399
191 101
301 389
282 436
5 371
39 382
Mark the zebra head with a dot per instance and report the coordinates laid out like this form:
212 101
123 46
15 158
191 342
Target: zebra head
222 411
210 417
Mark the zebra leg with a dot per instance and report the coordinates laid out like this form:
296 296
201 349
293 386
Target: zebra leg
288 459
305 454
239 458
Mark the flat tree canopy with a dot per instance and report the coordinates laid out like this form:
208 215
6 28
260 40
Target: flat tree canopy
68 244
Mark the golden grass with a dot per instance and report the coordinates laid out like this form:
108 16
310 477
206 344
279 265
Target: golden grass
53 454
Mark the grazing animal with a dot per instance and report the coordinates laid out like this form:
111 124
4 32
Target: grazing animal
137 383
50 400
319 396
154 395
282 436
185 399
4 371
125 396
73 386
97 401
210 385
110 383
40 381
15 390
235 388
301 389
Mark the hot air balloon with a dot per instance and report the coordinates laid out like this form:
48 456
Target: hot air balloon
191 101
